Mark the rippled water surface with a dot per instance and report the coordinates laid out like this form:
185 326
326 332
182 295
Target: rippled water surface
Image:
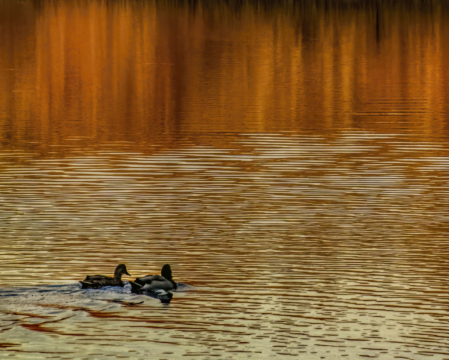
290 161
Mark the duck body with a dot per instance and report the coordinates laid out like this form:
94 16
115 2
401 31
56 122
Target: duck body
155 283
99 281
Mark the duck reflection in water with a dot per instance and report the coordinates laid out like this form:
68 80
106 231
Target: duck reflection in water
157 286
99 281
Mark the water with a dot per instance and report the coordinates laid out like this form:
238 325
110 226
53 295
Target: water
289 161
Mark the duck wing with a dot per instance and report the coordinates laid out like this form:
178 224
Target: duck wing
159 283
149 279
96 278
138 284
98 281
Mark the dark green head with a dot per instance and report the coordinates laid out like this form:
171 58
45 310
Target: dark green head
166 272
120 270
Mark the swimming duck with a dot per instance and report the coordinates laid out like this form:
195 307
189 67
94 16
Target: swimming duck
98 281
153 283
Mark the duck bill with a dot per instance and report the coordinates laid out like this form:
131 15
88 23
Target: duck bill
127 273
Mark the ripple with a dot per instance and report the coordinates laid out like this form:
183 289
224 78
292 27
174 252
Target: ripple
311 248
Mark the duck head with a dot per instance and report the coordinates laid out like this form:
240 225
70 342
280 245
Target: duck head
166 272
120 270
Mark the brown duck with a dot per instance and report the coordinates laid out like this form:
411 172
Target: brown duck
99 281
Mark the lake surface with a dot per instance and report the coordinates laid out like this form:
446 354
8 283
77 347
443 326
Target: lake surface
290 161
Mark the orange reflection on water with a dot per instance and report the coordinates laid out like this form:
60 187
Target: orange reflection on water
144 71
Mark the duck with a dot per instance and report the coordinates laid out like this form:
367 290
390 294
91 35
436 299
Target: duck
99 281
155 283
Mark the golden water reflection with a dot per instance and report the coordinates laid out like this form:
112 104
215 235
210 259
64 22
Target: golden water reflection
145 71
